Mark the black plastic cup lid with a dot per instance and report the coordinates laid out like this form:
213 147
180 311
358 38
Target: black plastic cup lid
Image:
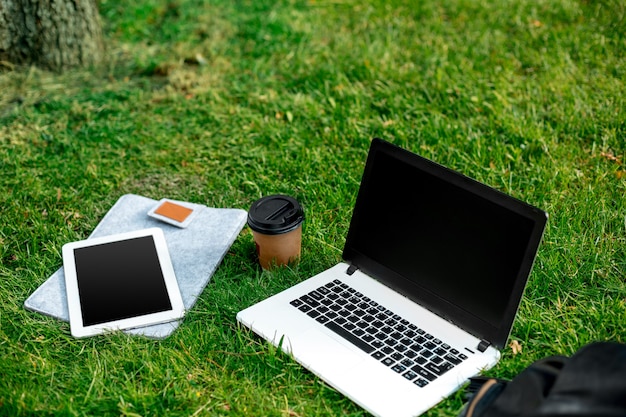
275 214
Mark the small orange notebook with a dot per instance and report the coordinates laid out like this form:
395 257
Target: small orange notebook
173 212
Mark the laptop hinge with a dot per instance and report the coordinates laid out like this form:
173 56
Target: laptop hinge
483 345
351 269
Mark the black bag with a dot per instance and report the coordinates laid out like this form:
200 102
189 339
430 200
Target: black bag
590 383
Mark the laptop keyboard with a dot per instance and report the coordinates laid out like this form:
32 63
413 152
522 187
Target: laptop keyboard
402 346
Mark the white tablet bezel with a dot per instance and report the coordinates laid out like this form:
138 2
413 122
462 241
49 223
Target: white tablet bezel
77 327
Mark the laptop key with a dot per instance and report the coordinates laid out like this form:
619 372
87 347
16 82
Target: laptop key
371 330
316 295
388 361
309 300
377 343
348 307
438 369
410 375
399 368
407 362
387 350
378 355
323 289
406 341
368 318
362 325
313 313
416 347
452 359
400 328
364 346
423 373
420 382
304 308
381 336
429 346
382 317
353 319
344 313
410 354
396 335
440 351
400 347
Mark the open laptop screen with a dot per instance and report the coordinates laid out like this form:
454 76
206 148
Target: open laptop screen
460 248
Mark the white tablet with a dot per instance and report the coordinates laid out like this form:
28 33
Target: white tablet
119 282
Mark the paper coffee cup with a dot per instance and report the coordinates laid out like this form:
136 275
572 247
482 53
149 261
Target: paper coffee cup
276 224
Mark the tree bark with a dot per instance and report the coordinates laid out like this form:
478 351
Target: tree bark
51 34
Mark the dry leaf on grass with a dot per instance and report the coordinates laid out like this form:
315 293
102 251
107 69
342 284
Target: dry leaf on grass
516 347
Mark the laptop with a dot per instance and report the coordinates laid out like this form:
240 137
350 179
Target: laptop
434 268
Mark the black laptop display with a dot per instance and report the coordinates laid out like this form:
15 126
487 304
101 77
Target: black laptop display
448 242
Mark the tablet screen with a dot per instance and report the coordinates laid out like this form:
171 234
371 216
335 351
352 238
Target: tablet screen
119 280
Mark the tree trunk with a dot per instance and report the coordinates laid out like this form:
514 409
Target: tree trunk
51 34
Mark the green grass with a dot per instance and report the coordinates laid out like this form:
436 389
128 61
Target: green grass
526 96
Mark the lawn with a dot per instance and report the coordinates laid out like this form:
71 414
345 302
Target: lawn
221 102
